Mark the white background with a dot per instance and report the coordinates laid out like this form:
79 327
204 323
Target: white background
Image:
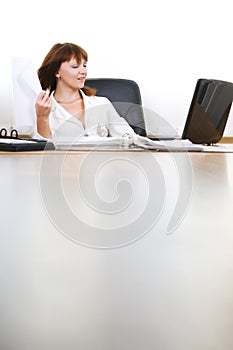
165 46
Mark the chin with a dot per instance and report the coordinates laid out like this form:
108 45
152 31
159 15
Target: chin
81 85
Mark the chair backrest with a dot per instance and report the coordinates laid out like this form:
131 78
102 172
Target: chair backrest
126 98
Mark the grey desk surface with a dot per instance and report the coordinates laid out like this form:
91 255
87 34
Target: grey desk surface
116 251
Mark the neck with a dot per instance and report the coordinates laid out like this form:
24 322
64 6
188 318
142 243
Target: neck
61 99
69 101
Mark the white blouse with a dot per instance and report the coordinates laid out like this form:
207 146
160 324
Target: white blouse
99 114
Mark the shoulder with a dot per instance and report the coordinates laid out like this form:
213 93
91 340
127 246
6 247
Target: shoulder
96 100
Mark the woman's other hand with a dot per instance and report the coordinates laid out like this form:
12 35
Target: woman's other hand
43 109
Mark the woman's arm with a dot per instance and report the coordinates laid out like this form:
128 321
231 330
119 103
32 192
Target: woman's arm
43 109
118 126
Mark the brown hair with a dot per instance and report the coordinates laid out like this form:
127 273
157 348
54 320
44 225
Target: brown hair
58 54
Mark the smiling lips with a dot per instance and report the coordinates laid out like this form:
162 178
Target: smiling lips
82 78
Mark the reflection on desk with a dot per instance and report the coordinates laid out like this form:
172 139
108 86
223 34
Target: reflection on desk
86 263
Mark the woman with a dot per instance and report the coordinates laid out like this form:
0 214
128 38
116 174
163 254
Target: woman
66 108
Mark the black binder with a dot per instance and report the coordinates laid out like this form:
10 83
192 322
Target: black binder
13 143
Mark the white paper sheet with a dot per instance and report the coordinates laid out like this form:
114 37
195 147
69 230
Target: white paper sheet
126 142
95 142
26 87
15 141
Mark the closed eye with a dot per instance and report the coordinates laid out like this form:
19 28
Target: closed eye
75 66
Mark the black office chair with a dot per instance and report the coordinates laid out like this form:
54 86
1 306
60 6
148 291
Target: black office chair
126 98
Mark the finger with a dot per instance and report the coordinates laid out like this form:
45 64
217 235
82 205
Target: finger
45 95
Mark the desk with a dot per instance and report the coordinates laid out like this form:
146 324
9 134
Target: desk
164 283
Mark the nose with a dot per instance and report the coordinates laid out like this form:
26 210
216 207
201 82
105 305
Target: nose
83 70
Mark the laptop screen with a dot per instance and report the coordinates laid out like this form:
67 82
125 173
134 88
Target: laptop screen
208 112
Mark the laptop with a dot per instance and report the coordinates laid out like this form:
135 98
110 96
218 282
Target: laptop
208 112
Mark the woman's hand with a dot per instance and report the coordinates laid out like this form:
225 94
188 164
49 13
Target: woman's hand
43 109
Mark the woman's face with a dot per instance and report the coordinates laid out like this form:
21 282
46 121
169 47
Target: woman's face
72 74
